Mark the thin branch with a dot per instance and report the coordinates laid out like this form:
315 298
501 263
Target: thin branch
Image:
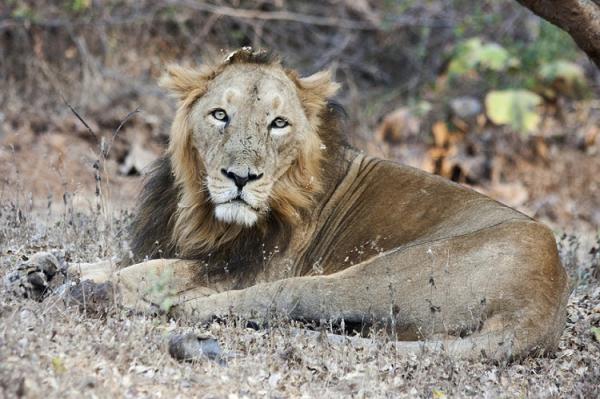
129 116
274 15
291 16
89 129
240 13
118 129
13 22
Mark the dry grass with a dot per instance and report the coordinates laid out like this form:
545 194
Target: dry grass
52 351
105 62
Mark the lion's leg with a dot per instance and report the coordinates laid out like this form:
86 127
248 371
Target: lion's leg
157 283
97 272
150 286
502 285
143 286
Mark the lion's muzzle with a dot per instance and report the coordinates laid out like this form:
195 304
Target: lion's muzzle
241 179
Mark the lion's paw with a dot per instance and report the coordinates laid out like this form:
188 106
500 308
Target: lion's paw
34 278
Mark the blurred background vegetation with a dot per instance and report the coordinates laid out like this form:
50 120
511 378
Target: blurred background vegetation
482 92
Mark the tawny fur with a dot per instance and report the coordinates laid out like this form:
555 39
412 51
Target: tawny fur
344 236
318 231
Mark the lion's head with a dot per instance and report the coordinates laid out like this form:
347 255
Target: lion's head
244 146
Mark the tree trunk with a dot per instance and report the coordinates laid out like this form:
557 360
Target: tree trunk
579 18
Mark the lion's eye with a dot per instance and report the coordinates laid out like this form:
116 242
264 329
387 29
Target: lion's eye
220 115
279 123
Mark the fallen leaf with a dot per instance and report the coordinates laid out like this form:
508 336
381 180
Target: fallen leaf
516 108
398 125
58 365
440 133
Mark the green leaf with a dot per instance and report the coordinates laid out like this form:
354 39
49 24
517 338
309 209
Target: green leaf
596 333
80 5
422 107
463 60
23 11
473 53
494 57
569 72
167 304
516 108
58 365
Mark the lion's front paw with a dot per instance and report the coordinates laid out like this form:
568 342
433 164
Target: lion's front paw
33 277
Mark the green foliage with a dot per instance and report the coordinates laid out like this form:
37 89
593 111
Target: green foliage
564 70
567 74
161 292
518 75
549 44
58 365
596 333
80 5
474 53
516 108
422 108
22 10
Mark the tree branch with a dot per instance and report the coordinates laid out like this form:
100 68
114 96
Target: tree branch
579 18
316 20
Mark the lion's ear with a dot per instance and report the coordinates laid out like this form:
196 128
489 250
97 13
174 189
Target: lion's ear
183 81
315 90
320 84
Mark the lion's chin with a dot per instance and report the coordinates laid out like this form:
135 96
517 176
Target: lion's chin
236 212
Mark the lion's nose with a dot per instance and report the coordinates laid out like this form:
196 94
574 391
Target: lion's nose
241 180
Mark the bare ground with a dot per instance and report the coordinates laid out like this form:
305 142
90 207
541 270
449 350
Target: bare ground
49 350
47 177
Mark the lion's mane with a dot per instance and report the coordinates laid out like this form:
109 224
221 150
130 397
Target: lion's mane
175 217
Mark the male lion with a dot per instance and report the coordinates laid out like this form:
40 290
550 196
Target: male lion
259 207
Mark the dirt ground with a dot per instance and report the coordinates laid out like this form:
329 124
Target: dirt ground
49 350
71 188
49 201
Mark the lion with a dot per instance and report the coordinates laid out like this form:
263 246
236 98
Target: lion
260 207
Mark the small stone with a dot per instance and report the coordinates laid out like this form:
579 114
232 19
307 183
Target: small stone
252 325
189 347
274 379
466 107
27 317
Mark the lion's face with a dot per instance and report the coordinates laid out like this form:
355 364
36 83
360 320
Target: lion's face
244 144
248 128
